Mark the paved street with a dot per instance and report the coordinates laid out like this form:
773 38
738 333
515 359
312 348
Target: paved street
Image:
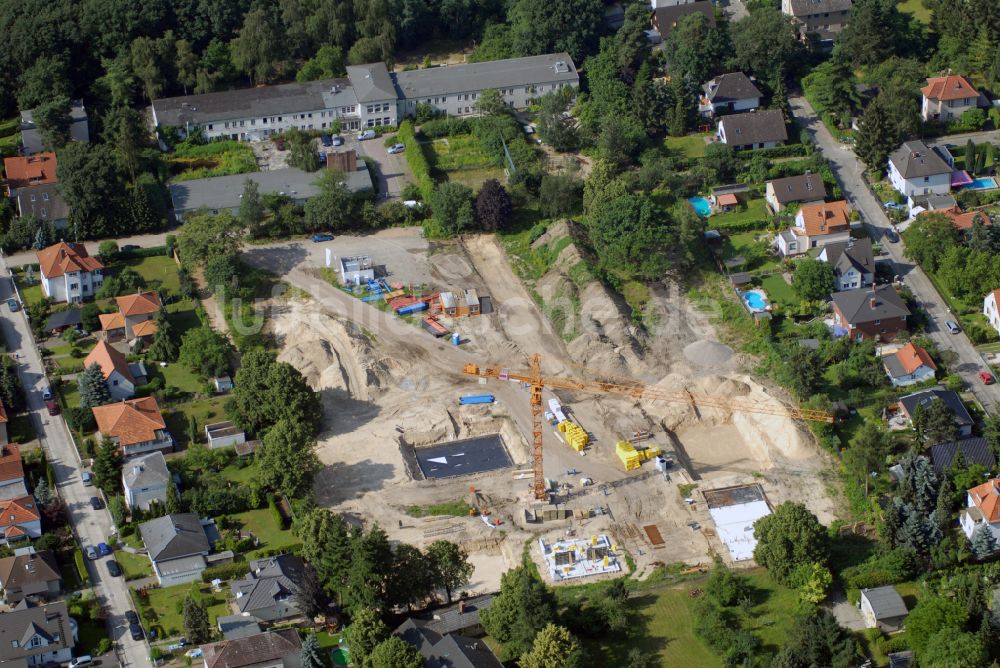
848 170
92 527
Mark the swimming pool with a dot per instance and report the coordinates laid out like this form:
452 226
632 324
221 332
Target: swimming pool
756 300
984 183
701 206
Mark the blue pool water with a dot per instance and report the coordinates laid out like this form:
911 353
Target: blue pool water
984 183
755 301
701 206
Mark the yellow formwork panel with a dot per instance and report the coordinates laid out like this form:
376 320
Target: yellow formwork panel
627 454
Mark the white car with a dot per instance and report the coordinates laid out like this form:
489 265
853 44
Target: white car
397 148
367 134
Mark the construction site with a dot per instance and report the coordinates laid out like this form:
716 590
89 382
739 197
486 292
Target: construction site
617 436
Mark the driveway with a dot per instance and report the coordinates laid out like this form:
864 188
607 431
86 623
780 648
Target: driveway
848 170
393 172
847 615
90 526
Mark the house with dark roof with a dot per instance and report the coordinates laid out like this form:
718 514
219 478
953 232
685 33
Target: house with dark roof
69 274
876 313
268 592
44 202
666 18
30 574
729 93
33 635
947 98
806 189
237 626
753 129
20 519
448 650
963 420
145 480
975 450
177 546
883 608
270 649
31 138
908 365
916 169
853 263
982 508
822 18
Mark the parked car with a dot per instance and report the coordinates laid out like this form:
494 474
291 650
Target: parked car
952 326
397 148
47 393
337 140
325 139
367 134
891 235
987 378
128 248
114 569
103 549
87 478
132 617
136 631
13 305
53 407
79 661
95 502
321 237
91 553
893 205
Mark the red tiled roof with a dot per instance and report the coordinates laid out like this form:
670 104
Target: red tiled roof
951 87
132 421
913 357
3 413
986 497
18 510
61 258
109 360
144 328
825 218
727 199
31 170
11 466
141 303
963 220
111 321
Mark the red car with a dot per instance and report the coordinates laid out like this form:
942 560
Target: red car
986 377
53 407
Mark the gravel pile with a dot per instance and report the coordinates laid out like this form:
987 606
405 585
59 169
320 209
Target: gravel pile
708 353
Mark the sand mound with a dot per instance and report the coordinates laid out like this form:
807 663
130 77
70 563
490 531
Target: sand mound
707 353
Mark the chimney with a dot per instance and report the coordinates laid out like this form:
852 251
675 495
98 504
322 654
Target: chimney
873 302
461 607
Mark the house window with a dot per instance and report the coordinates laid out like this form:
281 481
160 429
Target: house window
36 641
32 197
115 383
14 643
45 197
877 323
44 212
73 286
209 126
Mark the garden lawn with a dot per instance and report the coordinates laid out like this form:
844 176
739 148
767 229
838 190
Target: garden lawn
177 375
690 146
237 474
159 271
205 411
163 607
218 158
31 294
917 9
461 158
264 525
135 566
779 291
10 136
756 209
182 316
744 244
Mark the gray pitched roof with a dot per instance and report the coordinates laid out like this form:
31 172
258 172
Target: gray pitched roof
754 127
459 616
856 305
802 8
371 82
802 188
50 621
31 138
287 98
885 601
174 536
268 580
548 68
29 568
975 450
731 87
43 202
950 398
455 651
915 159
251 650
667 18
237 626
854 254
67 318
146 471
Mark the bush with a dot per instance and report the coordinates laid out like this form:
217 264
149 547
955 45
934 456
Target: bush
445 127
416 159
886 568
971 120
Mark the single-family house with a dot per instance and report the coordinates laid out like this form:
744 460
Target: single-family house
447 649
948 97
883 608
281 648
69 274
20 519
223 435
30 574
975 450
983 507
666 17
909 365
44 203
356 270
963 421
268 593
991 309
853 263
177 546
30 170
237 626
11 470
33 635
31 138
963 220
134 425
915 169
816 225
729 93
823 18
135 318
876 313
753 129
806 188
121 377
145 480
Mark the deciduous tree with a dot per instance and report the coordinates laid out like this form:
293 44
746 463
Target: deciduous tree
205 352
813 279
287 458
493 206
787 538
450 566
394 652
553 646
451 204
523 607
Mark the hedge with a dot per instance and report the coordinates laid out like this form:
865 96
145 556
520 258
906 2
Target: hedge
416 159
152 251
788 151
445 127
231 571
81 566
743 225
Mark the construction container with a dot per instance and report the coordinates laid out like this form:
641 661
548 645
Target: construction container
433 327
470 399
412 308
576 436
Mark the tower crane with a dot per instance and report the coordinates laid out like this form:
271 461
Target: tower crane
534 378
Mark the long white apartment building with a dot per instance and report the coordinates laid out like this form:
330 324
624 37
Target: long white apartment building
369 96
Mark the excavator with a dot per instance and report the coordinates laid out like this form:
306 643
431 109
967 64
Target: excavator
534 378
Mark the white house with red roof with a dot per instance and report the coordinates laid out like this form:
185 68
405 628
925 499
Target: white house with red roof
134 319
69 274
118 374
948 97
983 508
816 225
991 309
909 365
19 519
